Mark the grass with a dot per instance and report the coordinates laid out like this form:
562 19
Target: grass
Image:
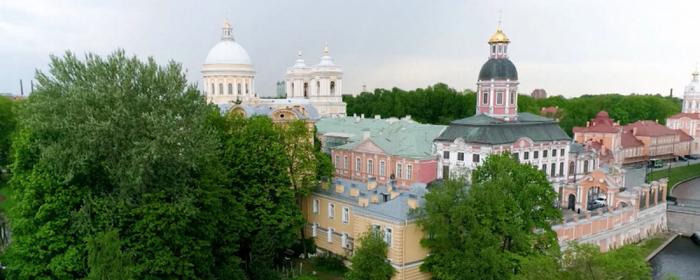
678 174
311 271
649 245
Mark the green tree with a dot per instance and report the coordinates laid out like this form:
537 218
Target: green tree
7 127
369 261
120 151
585 261
483 232
105 258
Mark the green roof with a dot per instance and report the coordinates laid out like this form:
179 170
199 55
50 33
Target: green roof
403 137
484 129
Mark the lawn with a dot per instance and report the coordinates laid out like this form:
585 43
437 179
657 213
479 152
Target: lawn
678 174
649 245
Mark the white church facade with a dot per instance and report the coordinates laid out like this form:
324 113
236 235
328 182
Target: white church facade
228 80
689 118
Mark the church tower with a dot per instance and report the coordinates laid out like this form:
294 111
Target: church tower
691 98
497 85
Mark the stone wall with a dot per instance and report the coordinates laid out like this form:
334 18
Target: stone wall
683 221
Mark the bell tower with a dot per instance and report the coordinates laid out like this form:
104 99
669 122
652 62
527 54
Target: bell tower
497 85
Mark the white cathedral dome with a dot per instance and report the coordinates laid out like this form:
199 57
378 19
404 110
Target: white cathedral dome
227 51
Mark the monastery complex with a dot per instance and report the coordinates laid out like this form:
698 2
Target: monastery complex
385 166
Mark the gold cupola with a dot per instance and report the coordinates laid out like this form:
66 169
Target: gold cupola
499 37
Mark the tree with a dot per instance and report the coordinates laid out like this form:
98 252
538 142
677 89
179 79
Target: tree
484 231
585 261
121 152
369 260
7 127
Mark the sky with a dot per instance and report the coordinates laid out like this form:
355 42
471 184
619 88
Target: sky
567 47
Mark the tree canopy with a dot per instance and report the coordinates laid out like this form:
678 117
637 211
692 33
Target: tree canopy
7 127
440 104
369 260
484 231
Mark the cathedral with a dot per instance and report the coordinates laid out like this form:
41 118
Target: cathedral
312 92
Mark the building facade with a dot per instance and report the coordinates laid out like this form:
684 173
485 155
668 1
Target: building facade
689 119
322 84
498 127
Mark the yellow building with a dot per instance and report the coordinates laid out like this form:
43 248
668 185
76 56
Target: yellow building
336 215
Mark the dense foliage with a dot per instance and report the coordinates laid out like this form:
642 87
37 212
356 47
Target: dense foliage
369 260
440 104
122 171
483 232
7 127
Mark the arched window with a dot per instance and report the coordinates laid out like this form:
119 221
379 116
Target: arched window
221 88
239 88
230 88
212 89
332 87
512 96
484 97
292 88
585 167
318 88
571 168
306 89
246 88
493 49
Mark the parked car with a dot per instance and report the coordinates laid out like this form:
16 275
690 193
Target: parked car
599 201
682 159
692 157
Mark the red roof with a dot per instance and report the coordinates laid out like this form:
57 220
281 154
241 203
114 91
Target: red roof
684 137
629 141
601 123
648 128
550 109
695 116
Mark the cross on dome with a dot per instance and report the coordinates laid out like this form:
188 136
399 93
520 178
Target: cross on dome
227 31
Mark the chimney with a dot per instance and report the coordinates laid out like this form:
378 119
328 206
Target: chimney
362 116
588 123
374 197
371 184
412 201
407 117
365 134
339 188
362 200
354 192
377 117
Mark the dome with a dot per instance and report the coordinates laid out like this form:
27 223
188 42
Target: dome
499 37
498 69
227 52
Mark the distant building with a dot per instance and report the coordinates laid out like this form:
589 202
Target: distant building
497 126
689 119
321 84
280 93
539 94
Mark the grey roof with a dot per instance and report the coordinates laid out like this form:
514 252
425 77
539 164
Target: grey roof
396 209
484 129
576 148
498 69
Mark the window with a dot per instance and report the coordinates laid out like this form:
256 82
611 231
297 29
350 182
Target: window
561 152
460 156
230 88
316 206
332 87
446 154
485 97
512 96
306 89
499 97
409 171
344 240
331 210
375 228
446 172
314 230
475 158
382 166
337 161
544 168
561 169
221 89
387 236
535 154
239 89
370 167
493 49
346 215
212 89
346 162
398 170
585 167
246 88
554 152
552 171
544 153
330 235
357 165
526 155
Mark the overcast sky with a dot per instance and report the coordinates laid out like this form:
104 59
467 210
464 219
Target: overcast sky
566 47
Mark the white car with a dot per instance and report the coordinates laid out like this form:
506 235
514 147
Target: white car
599 201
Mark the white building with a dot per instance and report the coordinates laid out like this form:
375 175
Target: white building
689 119
321 84
228 79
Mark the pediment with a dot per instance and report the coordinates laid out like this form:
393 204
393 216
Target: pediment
367 146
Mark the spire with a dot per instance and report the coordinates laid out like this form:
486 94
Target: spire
299 53
227 31
500 16
695 73
325 49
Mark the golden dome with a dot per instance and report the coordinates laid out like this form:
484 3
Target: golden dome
499 37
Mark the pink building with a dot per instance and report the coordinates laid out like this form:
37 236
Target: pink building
403 155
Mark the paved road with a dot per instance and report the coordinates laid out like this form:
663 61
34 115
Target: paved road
688 190
635 176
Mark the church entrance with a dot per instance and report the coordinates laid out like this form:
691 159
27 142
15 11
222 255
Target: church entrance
572 202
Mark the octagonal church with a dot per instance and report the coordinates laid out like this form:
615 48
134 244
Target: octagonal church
498 127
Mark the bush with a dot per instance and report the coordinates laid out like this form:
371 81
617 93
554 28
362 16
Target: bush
329 262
